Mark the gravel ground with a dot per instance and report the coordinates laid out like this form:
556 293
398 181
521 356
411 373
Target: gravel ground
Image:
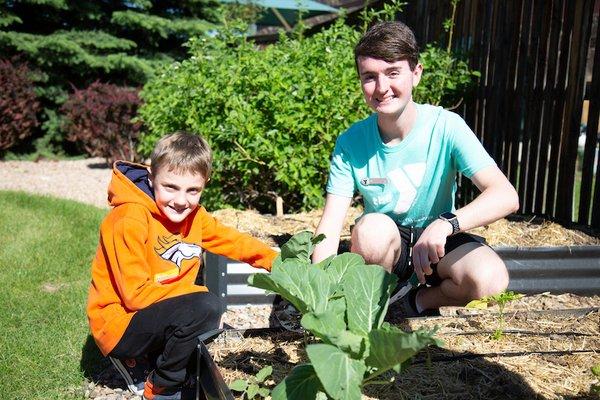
81 180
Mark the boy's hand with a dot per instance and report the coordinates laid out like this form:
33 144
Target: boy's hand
429 249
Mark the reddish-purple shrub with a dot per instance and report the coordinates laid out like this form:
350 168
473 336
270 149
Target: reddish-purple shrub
18 104
98 121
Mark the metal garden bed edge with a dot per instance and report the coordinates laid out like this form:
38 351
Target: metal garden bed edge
563 269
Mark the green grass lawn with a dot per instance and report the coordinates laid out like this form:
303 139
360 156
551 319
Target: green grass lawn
46 247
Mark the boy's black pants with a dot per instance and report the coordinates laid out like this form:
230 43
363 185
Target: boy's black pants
168 330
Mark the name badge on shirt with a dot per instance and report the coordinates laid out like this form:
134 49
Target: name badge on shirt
374 181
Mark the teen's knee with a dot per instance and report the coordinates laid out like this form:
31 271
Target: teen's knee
489 278
376 238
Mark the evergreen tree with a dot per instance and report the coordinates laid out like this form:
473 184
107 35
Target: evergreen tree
72 43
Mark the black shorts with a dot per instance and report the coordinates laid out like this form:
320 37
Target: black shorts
409 236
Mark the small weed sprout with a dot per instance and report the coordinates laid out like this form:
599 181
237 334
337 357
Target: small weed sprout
501 300
254 385
595 388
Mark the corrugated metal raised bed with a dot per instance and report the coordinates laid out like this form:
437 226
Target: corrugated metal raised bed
567 269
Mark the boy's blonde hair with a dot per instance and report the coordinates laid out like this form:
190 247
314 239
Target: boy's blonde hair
182 152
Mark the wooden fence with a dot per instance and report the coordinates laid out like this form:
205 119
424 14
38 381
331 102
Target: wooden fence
533 91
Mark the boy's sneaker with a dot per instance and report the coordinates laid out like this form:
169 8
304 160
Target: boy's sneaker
152 392
134 371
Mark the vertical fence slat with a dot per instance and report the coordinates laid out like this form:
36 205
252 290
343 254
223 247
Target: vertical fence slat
593 96
541 27
477 47
592 128
555 131
511 90
522 101
574 103
550 104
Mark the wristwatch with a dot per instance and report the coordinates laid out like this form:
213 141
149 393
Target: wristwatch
450 217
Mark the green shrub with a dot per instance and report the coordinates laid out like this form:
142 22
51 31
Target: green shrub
271 115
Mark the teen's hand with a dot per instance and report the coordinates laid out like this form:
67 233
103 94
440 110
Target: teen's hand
429 249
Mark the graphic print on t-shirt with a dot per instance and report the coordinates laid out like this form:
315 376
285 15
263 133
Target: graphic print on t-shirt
406 180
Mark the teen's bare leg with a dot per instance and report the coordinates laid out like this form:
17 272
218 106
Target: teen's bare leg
469 272
376 238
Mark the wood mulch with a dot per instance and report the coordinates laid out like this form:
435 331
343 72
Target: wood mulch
542 354
533 232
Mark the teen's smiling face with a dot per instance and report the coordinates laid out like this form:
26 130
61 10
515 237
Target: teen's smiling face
177 194
387 87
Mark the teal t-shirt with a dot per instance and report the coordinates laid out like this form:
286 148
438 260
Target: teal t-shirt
414 181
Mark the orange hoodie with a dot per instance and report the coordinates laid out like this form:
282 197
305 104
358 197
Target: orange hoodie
143 258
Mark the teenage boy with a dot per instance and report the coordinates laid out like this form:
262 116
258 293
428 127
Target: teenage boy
403 159
144 308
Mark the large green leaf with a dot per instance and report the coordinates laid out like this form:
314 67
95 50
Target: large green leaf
340 375
300 246
367 289
331 328
392 346
306 287
339 265
325 325
337 306
267 282
324 264
356 345
301 384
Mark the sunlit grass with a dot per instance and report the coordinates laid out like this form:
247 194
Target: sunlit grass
46 246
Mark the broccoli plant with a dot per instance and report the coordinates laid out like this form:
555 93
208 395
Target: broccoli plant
343 303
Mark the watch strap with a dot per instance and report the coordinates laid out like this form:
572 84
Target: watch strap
454 222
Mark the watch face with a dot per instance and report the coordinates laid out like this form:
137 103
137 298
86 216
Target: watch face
447 215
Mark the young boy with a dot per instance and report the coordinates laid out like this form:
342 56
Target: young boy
403 159
143 306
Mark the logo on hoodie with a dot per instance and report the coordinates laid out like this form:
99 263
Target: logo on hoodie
175 251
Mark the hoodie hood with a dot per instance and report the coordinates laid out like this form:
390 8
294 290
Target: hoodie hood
130 184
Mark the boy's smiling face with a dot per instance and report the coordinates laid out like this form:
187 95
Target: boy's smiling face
387 87
177 194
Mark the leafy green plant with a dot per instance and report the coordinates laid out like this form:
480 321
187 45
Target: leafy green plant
500 299
253 386
343 302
